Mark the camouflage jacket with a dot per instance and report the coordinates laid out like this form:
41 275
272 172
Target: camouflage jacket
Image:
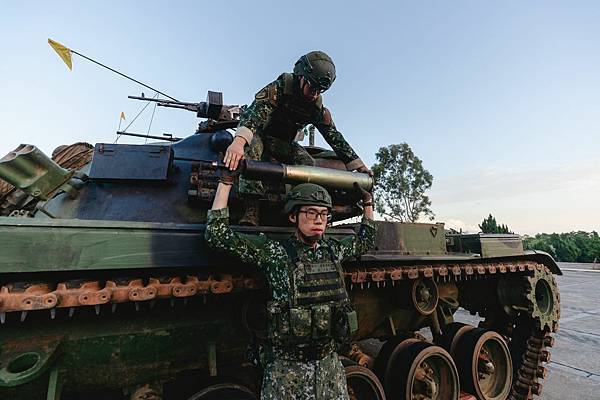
271 257
280 110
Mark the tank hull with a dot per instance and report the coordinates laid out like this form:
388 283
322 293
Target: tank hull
138 302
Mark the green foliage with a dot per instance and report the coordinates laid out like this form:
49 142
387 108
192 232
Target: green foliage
400 184
578 246
489 225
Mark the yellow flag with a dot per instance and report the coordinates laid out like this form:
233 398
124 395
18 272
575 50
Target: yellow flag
63 52
122 115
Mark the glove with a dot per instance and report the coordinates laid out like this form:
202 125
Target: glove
228 177
365 170
366 196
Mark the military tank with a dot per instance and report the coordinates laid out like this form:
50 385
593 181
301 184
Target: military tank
108 290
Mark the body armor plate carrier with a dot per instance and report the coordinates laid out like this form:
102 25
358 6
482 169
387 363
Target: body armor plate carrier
318 309
292 111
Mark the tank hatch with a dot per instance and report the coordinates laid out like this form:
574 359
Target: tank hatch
131 162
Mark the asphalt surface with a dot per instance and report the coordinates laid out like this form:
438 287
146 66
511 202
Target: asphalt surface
574 370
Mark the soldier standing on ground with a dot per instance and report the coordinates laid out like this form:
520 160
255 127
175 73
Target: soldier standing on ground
309 312
270 124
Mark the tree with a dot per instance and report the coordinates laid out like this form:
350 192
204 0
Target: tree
400 184
541 241
570 247
489 225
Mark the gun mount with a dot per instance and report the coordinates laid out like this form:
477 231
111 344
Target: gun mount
219 116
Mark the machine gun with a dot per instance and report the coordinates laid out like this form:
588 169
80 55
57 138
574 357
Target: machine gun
219 116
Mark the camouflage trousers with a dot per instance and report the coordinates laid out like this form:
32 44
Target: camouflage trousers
262 148
305 380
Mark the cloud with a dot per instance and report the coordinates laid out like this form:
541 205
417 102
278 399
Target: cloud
554 199
493 183
460 226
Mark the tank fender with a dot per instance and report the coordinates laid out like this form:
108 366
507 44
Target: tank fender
534 255
544 258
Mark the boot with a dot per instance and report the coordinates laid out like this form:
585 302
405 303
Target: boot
251 213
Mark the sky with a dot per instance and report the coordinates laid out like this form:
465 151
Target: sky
499 99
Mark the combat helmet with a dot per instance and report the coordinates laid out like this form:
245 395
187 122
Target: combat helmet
317 68
307 194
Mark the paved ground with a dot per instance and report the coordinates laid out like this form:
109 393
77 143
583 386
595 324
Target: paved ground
574 370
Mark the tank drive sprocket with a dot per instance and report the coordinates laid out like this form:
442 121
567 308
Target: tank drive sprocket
543 298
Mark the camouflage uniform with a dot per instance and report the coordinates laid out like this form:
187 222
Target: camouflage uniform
288 373
271 123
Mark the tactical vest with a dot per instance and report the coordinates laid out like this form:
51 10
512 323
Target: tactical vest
292 112
318 308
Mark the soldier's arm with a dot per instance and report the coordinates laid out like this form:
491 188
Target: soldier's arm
361 242
253 249
255 117
336 140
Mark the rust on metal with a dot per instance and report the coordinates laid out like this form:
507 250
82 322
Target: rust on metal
78 293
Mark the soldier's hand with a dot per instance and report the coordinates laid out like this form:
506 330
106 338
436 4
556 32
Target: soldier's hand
234 153
227 177
365 170
366 196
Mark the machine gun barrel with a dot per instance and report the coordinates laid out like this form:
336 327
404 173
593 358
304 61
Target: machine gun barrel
166 137
195 107
213 108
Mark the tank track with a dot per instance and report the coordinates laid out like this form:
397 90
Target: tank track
32 296
531 331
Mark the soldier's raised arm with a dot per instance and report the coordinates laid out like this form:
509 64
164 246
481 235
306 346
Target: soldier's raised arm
252 249
364 239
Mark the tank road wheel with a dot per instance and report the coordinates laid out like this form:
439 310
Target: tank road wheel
484 364
424 296
363 384
385 353
421 370
224 391
451 334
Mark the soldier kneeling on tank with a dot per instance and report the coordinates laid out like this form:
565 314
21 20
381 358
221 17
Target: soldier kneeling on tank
309 312
268 127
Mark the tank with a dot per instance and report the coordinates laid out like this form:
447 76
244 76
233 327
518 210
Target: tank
108 290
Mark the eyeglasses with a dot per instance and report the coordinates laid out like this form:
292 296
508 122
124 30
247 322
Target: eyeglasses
314 87
311 214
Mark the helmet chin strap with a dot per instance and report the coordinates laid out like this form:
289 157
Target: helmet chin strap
309 240
302 85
